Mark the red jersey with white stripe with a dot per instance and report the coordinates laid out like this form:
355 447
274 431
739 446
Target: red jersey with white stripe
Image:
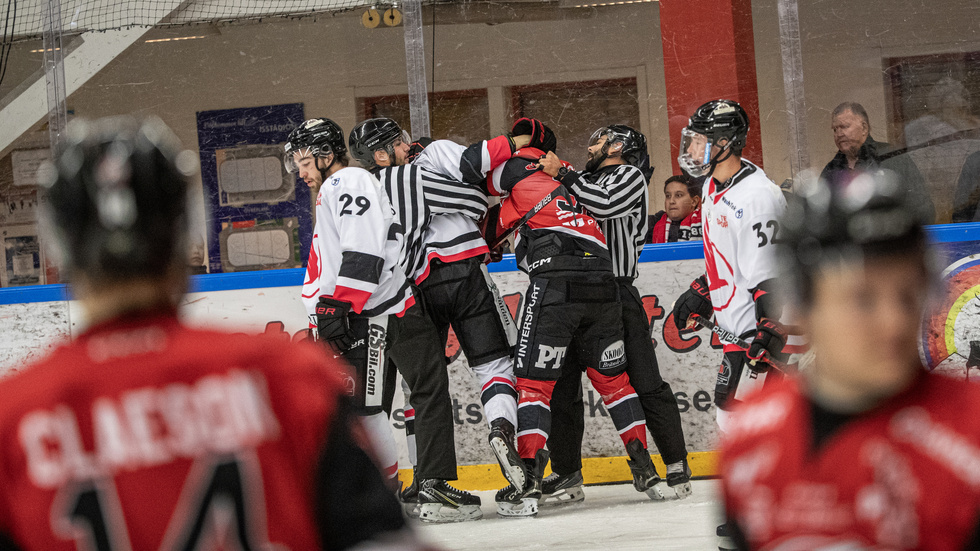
144 434
904 475
356 248
741 228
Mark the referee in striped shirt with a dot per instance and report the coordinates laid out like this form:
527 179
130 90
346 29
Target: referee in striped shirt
614 190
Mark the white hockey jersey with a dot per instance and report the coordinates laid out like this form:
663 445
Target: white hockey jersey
741 230
356 247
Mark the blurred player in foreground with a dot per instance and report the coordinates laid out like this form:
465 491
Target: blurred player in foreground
144 434
866 449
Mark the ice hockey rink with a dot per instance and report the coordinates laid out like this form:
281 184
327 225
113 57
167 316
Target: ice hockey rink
611 517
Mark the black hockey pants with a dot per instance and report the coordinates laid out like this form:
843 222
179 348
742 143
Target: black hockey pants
420 357
656 397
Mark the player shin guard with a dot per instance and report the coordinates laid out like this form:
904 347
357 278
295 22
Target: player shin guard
499 389
623 405
382 441
533 415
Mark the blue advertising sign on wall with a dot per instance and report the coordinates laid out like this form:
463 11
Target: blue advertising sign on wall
260 215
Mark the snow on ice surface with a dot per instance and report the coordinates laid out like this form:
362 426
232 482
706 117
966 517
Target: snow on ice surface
611 517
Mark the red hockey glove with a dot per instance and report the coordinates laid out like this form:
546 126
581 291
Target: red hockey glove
332 324
695 300
769 338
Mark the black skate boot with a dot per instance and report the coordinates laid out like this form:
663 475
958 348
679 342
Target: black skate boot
502 444
440 502
513 503
645 477
409 496
560 489
679 478
725 542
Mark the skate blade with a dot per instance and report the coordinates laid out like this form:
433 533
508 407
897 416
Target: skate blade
434 513
565 496
683 490
655 492
513 473
411 510
527 508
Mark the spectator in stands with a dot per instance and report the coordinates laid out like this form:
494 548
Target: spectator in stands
681 218
858 151
966 202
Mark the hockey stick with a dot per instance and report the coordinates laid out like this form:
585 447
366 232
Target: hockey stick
727 337
559 191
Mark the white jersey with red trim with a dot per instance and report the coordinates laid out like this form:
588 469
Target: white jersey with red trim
741 225
356 248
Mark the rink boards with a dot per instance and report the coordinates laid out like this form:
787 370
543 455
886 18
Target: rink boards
34 319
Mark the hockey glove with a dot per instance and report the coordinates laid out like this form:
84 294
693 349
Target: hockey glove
695 300
769 339
332 324
541 136
417 147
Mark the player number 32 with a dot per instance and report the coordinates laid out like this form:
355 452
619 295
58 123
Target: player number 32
768 234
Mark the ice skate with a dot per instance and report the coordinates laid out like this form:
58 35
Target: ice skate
502 443
645 477
725 542
559 489
679 478
409 497
514 503
440 502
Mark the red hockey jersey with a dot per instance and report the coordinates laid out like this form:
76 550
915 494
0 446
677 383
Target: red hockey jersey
523 186
143 434
905 475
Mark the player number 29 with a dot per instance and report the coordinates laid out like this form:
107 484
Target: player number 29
362 203
764 238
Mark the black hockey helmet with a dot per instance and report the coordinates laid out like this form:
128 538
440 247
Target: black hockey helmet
374 134
116 199
872 216
320 136
634 149
714 121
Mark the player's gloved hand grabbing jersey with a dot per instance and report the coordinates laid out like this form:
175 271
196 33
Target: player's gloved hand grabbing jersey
333 325
541 136
695 300
769 339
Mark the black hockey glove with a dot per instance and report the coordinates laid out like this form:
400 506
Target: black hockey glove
332 324
541 136
417 147
695 300
769 338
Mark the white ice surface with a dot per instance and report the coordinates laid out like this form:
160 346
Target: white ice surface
611 517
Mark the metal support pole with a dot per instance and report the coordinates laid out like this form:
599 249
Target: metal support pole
789 41
54 72
418 96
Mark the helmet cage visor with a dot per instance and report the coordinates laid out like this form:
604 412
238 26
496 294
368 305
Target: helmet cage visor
598 134
695 152
293 156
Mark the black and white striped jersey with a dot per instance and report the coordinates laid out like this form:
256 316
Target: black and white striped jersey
417 195
459 201
616 196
